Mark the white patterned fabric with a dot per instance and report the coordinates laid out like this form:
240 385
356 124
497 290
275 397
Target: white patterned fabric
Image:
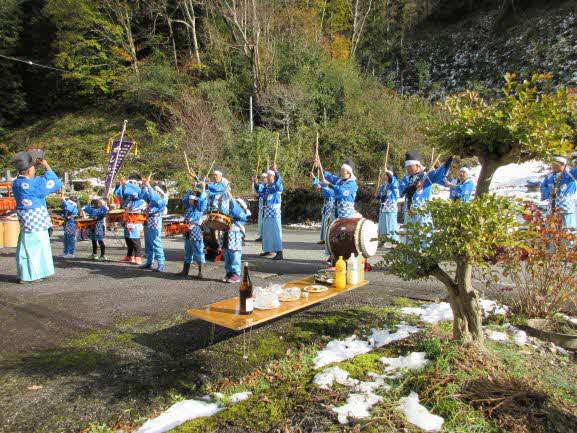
195 232
345 209
70 227
34 220
389 206
235 239
154 222
328 206
272 211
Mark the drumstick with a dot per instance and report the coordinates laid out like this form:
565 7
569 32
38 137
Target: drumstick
316 153
387 157
276 147
257 164
210 169
190 172
432 158
378 183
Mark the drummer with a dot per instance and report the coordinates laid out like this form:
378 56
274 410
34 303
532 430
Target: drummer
328 205
129 192
70 208
345 189
97 209
33 254
157 201
195 204
258 188
271 220
216 191
461 188
234 239
388 196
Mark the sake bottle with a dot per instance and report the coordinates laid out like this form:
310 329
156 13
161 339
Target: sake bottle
352 271
246 299
340 274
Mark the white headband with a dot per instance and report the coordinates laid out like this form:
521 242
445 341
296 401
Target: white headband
192 197
347 167
263 175
94 197
271 173
560 159
217 172
412 162
465 170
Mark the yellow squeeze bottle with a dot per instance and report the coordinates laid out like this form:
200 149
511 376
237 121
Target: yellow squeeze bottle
340 274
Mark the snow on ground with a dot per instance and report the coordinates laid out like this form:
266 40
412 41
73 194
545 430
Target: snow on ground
413 361
178 414
441 311
419 415
316 225
357 406
341 350
497 336
382 337
327 377
187 410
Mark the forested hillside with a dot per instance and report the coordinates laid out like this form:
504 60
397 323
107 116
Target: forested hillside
359 72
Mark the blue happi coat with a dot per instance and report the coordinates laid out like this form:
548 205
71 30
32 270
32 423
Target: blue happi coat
30 195
414 198
156 207
233 244
328 206
271 216
216 192
131 195
70 212
345 191
462 191
193 240
99 213
388 196
564 201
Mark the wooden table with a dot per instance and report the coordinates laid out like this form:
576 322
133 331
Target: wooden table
225 312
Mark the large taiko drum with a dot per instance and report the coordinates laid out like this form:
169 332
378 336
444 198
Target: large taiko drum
85 223
115 215
348 236
134 218
217 221
57 220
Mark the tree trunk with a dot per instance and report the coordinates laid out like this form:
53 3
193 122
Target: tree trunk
488 168
467 323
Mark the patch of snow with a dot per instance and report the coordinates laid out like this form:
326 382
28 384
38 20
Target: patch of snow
413 361
497 336
419 415
239 396
431 313
328 376
382 337
178 414
310 226
520 338
341 350
377 383
357 406
441 311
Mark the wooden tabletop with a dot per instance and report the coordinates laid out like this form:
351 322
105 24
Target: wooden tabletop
225 312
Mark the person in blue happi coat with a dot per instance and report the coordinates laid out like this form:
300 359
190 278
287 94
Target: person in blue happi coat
345 189
416 187
461 188
33 253
69 207
234 238
328 196
560 189
259 188
195 204
388 196
98 210
216 191
129 192
271 217
156 209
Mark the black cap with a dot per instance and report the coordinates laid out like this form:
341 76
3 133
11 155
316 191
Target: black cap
412 156
135 176
22 161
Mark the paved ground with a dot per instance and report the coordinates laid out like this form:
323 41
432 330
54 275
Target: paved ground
84 294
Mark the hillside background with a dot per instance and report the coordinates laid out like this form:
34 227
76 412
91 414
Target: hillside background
361 73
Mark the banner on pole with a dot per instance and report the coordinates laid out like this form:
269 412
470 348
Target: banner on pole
118 152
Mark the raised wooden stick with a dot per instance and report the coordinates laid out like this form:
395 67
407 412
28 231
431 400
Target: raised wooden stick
386 158
210 169
257 166
191 173
432 158
276 147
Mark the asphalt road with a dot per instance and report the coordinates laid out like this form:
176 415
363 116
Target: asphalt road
84 294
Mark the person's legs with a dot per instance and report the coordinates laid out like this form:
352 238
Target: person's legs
129 247
157 250
102 249
94 247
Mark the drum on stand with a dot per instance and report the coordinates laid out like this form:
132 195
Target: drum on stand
348 236
134 218
217 221
115 215
85 223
